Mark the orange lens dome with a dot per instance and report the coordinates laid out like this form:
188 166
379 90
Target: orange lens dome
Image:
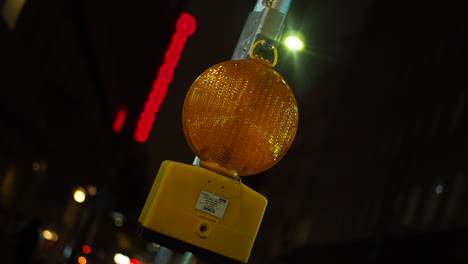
241 116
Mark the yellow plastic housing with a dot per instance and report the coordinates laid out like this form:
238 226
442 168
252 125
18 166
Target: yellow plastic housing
240 117
225 222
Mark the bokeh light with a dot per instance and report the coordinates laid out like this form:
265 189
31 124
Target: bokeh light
86 249
92 190
79 195
82 260
120 258
135 261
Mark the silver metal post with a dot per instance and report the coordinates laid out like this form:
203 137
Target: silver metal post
265 22
187 258
163 256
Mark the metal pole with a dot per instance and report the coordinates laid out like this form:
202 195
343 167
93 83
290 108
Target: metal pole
163 256
265 22
187 258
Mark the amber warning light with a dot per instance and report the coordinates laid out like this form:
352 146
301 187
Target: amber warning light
240 118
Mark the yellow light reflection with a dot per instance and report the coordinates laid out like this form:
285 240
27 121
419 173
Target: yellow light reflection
11 11
92 190
79 195
49 235
118 222
36 166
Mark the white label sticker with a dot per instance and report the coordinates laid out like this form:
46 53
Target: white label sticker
212 204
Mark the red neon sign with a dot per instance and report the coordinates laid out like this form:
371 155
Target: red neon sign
120 119
185 26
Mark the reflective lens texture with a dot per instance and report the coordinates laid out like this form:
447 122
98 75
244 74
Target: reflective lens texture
240 115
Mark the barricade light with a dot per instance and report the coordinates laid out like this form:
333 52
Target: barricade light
240 118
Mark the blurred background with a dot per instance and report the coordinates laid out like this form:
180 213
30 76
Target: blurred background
377 173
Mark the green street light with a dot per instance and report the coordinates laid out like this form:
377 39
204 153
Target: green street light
294 43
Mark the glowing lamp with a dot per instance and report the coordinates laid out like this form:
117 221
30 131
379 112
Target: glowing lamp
86 249
49 235
240 118
120 258
82 260
294 43
79 195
